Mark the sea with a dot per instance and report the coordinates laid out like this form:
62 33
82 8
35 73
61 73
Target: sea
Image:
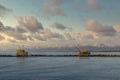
60 68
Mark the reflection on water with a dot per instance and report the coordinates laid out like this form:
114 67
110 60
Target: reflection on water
59 68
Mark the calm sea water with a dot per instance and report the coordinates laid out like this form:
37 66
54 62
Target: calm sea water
60 68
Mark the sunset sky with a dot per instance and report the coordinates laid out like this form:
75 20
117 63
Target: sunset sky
59 23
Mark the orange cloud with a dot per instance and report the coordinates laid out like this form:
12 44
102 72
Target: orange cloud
4 10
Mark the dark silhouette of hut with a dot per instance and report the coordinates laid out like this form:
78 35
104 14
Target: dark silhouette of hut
84 52
21 52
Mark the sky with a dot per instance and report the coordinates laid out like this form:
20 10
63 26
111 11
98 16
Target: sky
59 23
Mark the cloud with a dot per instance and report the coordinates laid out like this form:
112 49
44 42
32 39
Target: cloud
87 35
8 28
68 36
5 28
1 26
92 36
100 29
19 33
20 29
2 37
95 26
11 40
12 32
90 5
117 28
59 26
31 24
93 5
49 34
16 36
39 37
53 8
3 10
56 2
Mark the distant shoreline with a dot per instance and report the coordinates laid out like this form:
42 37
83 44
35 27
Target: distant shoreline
105 51
76 55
